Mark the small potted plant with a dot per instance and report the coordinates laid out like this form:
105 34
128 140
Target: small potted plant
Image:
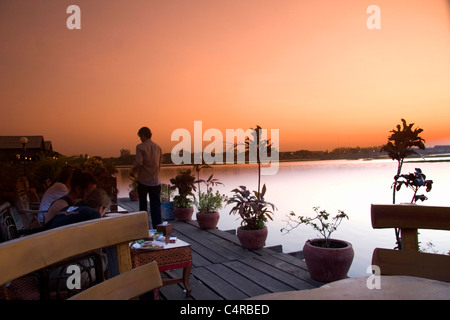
254 211
133 191
327 259
208 204
183 202
167 205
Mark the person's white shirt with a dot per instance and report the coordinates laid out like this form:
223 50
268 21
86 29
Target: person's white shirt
147 163
56 191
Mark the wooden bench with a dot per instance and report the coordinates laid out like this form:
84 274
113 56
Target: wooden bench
24 255
409 261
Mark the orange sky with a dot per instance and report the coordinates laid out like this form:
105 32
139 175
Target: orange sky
310 68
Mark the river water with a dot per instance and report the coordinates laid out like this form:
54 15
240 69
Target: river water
332 185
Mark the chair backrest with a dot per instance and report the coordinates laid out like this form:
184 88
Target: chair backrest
24 205
409 261
8 229
22 195
36 251
127 285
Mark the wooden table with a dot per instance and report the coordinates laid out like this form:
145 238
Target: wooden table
174 256
390 288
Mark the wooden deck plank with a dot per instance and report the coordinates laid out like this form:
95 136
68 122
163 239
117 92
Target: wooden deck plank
266 281
176 291
198 260
222 269
211 255
293 269
237 280
219 285
277 273
204 238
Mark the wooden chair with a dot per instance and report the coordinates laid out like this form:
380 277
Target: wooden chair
28 210
126 286
22 256
409 261
8 229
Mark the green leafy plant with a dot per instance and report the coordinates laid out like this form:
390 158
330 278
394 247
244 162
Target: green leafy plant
198 168
133 184
184 182
260 144
321 222
251 207
166 192
210 201
98 167
401 144
415 181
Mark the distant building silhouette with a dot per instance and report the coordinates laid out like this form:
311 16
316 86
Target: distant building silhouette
11 147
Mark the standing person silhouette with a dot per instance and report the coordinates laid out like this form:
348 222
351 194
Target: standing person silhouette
146 171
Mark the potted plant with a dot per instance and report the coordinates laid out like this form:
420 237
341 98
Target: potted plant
133 192
327 259
167 205
402 143
253 209
208 204
254 212
183 202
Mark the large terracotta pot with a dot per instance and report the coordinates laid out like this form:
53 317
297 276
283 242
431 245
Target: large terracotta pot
208 220
252 239
183 214
328 264
133 195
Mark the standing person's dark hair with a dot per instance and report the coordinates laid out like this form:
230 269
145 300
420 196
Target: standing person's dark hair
145 132
146 172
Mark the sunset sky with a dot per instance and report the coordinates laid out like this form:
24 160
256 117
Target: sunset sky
310 68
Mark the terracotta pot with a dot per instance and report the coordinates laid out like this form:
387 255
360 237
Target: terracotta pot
133 195
208 220
183 214
252 239
328 264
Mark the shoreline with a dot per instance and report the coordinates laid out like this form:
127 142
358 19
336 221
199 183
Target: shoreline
416 159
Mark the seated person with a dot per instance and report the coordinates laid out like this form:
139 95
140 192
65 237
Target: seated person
57 190
93 206
81 183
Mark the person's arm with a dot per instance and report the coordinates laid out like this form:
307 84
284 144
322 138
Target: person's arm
137 163
54 209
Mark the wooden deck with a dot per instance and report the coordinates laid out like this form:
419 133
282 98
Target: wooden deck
223 270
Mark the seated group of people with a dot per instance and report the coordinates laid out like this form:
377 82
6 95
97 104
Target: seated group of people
74 197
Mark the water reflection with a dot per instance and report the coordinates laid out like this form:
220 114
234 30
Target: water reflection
348 185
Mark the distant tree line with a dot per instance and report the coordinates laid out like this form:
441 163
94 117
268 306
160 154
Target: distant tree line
126 158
